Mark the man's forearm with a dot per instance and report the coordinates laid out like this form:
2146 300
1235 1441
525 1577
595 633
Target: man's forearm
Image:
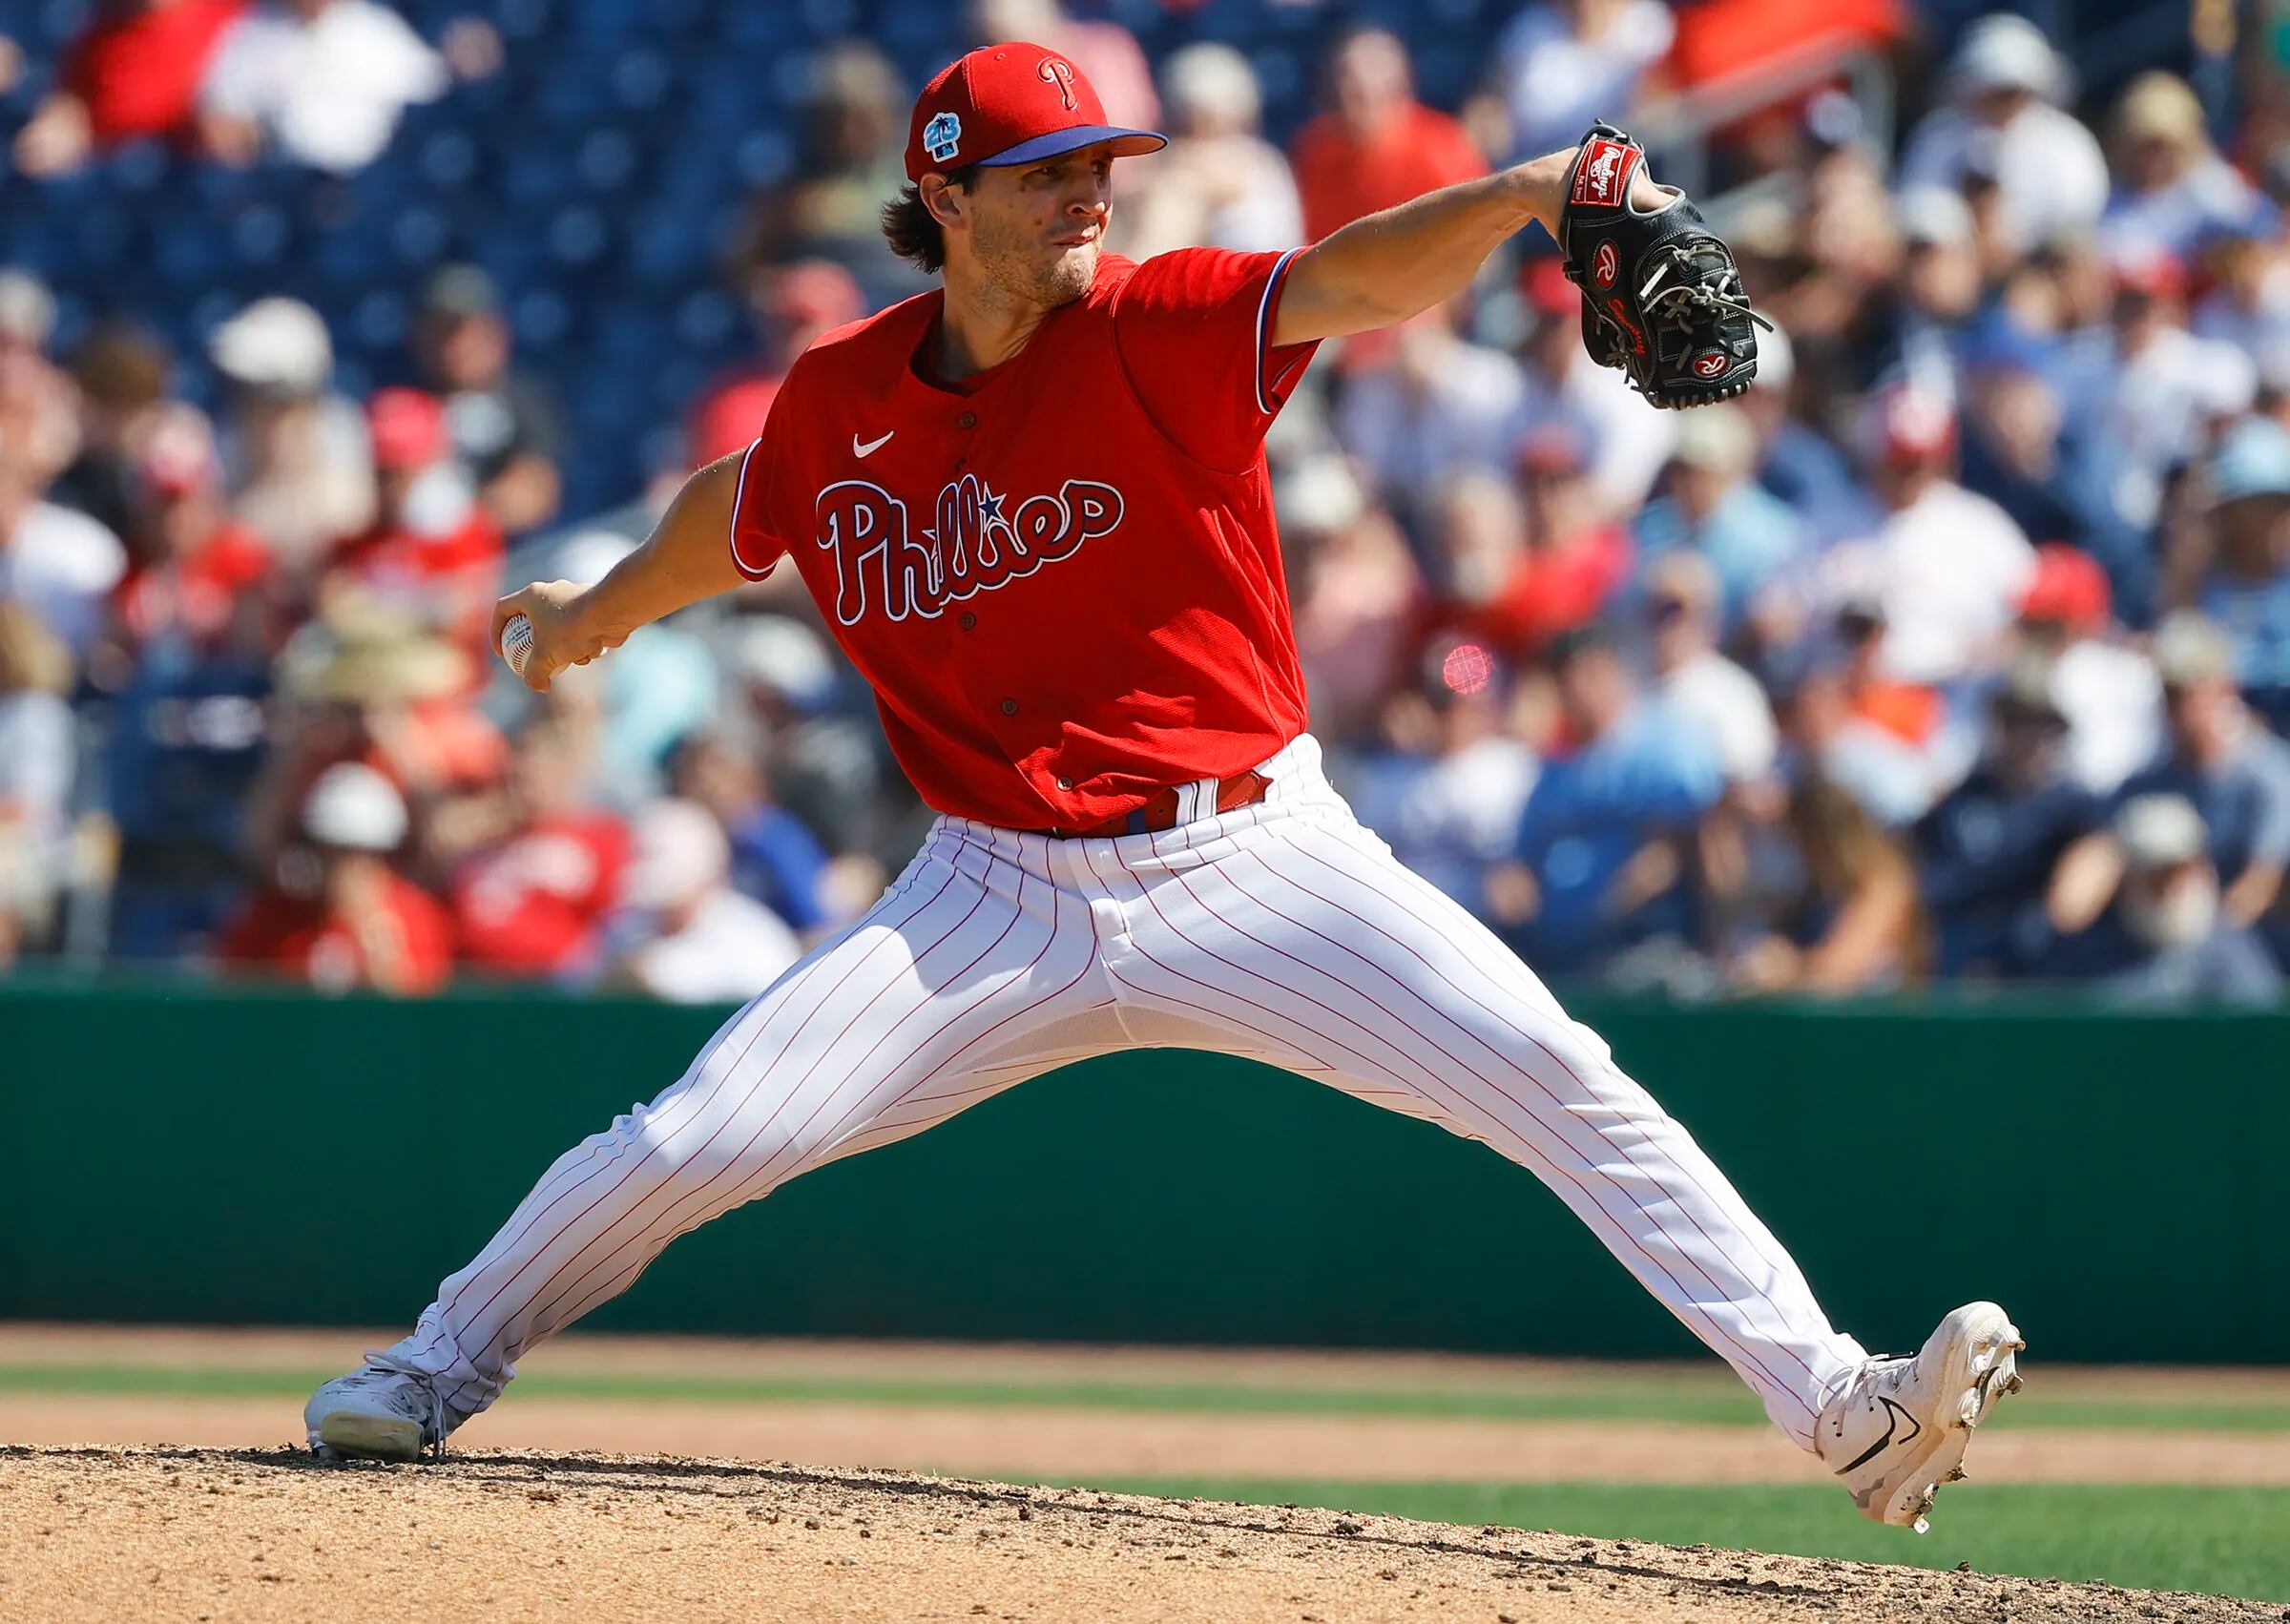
687 558
1387 266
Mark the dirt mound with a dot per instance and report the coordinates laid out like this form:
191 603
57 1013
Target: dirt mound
261 1534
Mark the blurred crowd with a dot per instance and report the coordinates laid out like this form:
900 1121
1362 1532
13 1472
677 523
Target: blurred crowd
1957 650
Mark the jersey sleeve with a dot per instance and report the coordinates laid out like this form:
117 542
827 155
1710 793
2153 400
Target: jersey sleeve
757 542
1193 329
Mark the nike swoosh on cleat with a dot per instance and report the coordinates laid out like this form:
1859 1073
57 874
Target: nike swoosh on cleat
871 446
1894 1417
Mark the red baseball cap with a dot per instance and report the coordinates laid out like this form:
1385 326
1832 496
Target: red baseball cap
2069 586
407 428
1002 105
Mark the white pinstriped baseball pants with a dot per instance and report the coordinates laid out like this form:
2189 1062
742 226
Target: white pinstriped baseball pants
1285 932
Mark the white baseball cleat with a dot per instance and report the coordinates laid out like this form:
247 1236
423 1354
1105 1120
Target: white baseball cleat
1900 1431
384 1412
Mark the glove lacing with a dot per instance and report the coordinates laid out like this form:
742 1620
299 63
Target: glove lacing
1667 304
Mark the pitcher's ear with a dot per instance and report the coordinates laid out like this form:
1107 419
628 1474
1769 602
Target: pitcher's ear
943 199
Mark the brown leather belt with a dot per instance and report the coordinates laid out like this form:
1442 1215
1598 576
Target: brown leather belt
1162 807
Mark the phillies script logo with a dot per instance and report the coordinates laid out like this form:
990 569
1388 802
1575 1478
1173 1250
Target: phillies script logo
976 543
1598 177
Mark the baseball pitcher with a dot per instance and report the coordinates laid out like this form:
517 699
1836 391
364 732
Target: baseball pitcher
1032 507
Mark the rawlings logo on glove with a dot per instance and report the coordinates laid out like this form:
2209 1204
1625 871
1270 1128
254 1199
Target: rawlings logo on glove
1662 297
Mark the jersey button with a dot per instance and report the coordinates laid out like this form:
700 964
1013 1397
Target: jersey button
967 420
967 621
1010 707
1065 784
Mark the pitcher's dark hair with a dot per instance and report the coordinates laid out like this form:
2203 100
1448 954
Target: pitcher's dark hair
907 227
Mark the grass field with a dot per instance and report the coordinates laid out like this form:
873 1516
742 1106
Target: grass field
2224 1537
1605 1397
2222 1540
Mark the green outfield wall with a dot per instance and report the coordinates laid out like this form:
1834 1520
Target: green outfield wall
253 1158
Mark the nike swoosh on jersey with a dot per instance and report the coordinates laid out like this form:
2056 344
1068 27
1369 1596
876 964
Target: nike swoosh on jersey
871 446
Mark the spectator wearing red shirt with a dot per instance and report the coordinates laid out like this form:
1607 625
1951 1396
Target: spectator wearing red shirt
339 916
432 551
190 560
1377 146
793 305
1519 571
530 903
135 73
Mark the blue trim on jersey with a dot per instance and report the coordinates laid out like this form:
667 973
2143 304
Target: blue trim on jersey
1272 284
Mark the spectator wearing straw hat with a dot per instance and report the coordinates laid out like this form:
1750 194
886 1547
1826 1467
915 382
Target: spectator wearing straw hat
2171 187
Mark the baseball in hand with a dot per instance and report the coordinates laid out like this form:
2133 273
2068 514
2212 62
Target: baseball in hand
516 642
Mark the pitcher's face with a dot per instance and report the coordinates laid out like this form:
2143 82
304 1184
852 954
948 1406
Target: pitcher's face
1036 230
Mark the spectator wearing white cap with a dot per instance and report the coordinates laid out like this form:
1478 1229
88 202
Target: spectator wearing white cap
697 941
60 564
338 915
1219 182
295 455
2168 940
2002 118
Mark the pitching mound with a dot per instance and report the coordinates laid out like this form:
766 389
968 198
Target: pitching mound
217 1534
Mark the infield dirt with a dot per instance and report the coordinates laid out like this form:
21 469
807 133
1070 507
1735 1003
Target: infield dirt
274 1534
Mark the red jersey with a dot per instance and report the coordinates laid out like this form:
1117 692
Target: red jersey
1340 177
193 596
532 905
301 938
1061 576
138 71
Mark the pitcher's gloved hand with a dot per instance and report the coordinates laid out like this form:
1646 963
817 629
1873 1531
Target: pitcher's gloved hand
1661 296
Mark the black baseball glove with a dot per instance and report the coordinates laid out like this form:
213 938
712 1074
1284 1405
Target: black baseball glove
1661 296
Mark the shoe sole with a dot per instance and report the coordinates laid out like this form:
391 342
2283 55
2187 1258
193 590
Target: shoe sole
371 1437
1982 1366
